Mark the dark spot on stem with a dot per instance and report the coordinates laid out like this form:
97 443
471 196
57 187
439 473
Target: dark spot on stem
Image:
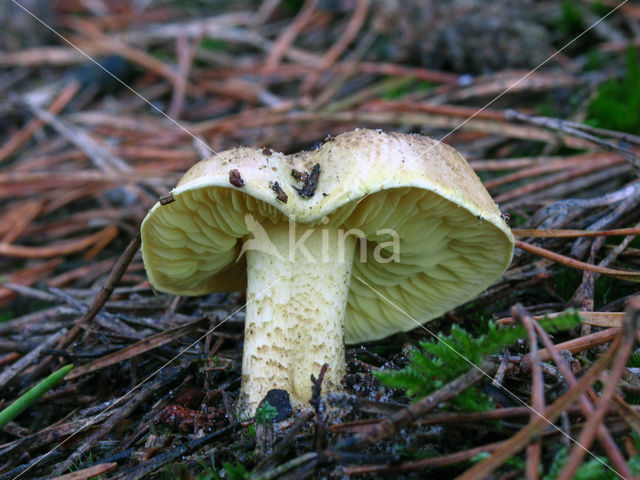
279 399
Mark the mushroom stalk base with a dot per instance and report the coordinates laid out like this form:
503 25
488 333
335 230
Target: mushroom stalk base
296 301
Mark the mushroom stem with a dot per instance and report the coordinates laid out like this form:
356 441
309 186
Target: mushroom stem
296 303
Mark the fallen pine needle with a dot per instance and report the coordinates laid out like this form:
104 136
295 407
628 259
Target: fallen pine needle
571 262
595 319
90 472
522 233
102 238
144 345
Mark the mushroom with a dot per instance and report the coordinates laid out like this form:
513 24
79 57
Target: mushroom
363 237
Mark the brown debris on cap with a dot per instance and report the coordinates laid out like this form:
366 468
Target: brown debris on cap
166 199
310 180
280 193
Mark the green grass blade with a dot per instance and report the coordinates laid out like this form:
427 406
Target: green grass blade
26 400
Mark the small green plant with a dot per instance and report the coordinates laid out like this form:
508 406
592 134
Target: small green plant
634 360
82 463
6 316
251 428
436 363
266 413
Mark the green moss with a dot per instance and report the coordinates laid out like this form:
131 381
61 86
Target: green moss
600 9
617 104
566 281
546 108
213 44
571 19
292 7
266 414
606 290
595 60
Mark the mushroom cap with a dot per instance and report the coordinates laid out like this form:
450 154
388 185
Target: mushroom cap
453 242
